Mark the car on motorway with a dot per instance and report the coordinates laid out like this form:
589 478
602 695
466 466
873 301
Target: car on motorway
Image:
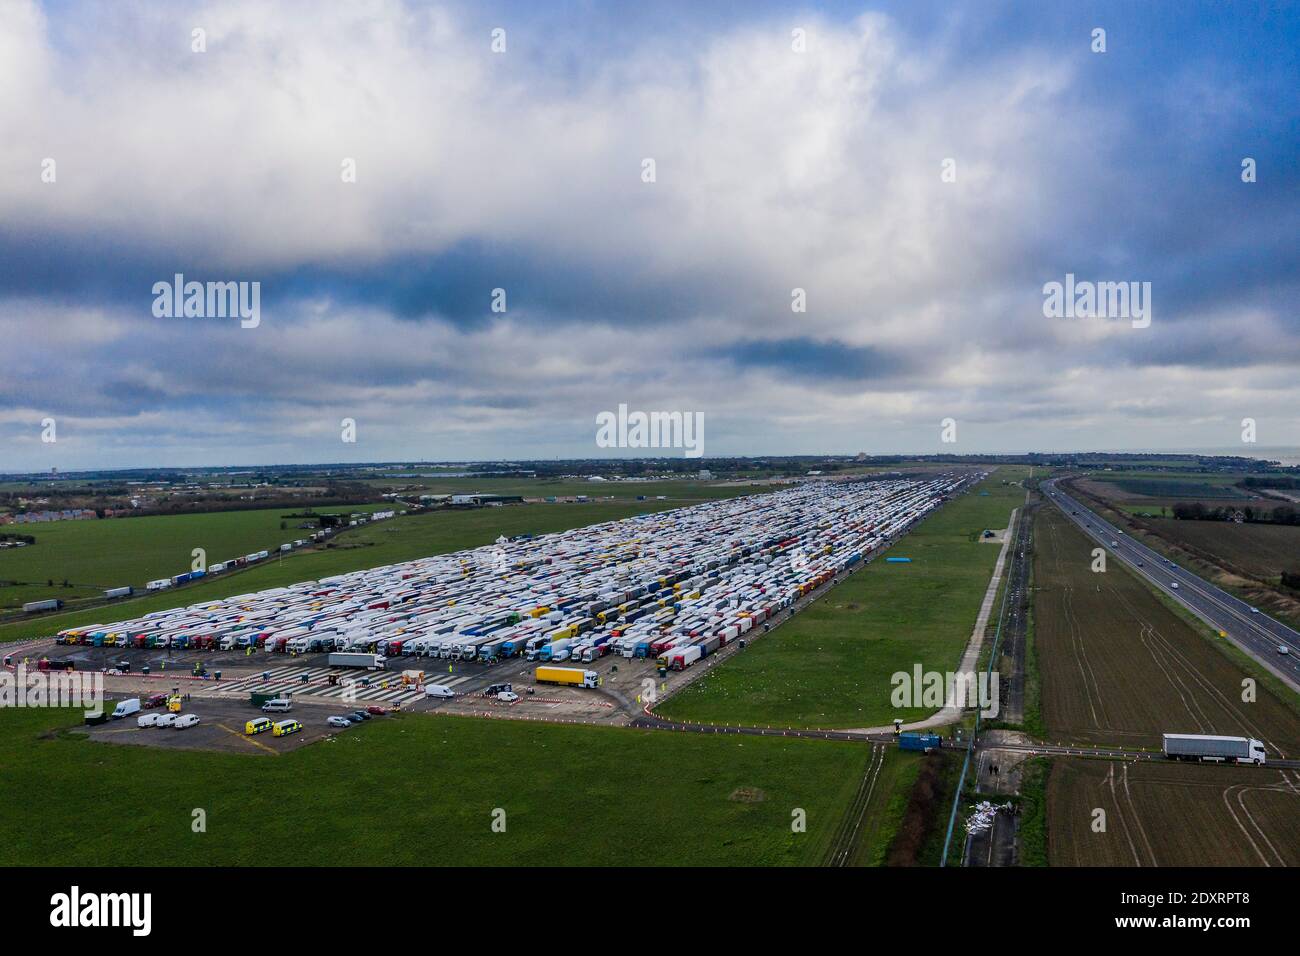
1141 565
507 697
339 722
1174 585
1283 649
1254 610
1114 544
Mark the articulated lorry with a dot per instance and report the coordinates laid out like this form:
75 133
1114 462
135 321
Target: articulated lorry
1210 748
572 676
368 661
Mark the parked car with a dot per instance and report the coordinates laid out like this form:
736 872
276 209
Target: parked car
376 710
360 715
339 722
155 700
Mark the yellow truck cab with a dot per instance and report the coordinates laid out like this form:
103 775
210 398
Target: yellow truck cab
174 704
286 727
257 725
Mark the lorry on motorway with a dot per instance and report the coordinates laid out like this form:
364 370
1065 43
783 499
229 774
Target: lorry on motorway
1207 747
570 676
35 607
119 592
371 662
924 743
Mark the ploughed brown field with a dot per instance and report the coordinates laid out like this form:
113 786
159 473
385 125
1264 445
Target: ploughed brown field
1260 551
1118 667
1172 814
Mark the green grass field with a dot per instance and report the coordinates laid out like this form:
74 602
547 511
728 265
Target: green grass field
830 666
95 555
385 542
421 790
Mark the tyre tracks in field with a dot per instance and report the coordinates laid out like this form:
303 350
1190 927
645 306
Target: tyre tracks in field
846 834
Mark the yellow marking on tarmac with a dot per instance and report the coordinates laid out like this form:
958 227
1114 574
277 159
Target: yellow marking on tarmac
249 740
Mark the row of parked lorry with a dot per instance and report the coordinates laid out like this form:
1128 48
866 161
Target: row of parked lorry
672 587
162 584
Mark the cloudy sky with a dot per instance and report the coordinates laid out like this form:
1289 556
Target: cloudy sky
793 148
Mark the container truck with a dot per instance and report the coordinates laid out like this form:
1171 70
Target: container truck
35 607
119 592
1211 748
570 676
368 661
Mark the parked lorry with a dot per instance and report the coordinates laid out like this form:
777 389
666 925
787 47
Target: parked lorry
1206 747
571 676
348 659
920 742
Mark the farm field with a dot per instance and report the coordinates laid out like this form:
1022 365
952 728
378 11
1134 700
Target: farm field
385 542
415 789
1168 814
112 552
830 666
1260 551
1119 667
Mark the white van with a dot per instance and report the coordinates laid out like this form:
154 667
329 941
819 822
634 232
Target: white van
185 720
280 705
167 720
126 708
147 720
438 690
228 642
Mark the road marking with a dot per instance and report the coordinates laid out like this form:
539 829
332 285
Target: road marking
249 740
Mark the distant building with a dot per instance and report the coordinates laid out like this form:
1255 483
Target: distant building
705 474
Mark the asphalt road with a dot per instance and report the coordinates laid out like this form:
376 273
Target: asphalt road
1256 633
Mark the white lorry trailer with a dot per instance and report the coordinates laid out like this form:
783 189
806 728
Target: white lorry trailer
368 661
1211 748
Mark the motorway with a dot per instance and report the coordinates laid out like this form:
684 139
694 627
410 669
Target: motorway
1254 632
